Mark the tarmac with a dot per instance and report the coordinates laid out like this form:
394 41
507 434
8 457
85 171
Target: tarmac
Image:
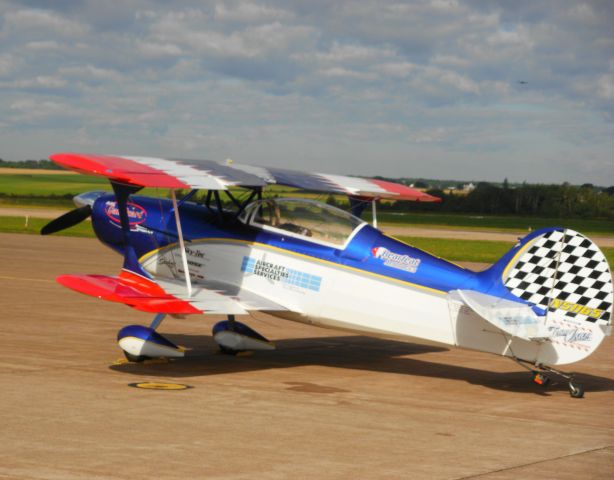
325 404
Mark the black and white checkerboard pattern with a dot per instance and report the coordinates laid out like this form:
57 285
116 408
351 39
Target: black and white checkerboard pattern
567 266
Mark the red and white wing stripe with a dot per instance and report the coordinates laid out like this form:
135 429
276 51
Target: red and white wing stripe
185 173
209 175
369 187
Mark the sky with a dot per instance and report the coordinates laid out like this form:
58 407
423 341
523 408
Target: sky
447 89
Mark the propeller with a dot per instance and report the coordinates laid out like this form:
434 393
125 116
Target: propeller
69 219
84 203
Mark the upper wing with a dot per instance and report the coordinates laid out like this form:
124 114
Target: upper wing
168 296
206 174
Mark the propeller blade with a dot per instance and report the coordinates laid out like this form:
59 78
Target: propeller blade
67 220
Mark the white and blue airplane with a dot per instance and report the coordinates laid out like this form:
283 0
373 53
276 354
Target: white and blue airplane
546 302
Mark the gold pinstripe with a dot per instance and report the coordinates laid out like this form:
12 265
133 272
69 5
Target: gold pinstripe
288 252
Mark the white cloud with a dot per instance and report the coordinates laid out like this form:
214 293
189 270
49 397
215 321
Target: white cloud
91 72
605 86
291 83
395 69
43 20
8 64
156 50
41 81
44 46
249 12
341 72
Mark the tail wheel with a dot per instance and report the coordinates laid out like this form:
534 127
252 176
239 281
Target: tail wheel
576 390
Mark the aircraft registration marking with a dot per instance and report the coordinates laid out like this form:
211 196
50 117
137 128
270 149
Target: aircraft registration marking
576 308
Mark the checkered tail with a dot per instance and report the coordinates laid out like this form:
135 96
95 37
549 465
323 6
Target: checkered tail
563 271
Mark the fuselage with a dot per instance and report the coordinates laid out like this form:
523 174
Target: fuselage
362 281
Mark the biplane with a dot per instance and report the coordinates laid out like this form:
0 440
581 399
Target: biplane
224 248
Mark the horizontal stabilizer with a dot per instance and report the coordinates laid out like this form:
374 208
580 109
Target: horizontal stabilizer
517 319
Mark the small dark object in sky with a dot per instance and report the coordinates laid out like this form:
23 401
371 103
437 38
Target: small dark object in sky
522 82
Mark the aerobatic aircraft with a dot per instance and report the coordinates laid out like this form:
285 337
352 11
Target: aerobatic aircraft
232 250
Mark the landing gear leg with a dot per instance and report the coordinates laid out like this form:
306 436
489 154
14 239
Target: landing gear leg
155 323
231 326
539 371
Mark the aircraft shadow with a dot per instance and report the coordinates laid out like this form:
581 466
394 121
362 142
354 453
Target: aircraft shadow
351 352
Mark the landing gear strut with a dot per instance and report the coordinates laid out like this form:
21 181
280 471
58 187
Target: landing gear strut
540 377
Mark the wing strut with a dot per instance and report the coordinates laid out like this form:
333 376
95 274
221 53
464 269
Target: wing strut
184 257
374 211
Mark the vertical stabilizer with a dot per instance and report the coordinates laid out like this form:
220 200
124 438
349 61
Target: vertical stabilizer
566 275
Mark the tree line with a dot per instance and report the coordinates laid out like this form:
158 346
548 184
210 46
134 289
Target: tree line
35 164
562 201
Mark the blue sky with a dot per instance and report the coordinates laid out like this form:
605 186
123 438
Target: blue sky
420 89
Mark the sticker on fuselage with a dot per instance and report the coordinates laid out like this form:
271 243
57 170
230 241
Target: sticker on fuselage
570 334
136 216
396 260
282 274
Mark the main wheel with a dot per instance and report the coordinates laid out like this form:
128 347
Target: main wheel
229 351
135 358
576 390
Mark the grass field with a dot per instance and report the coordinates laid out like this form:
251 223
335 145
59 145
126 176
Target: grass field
460 250
483 251
45 184
34 225
491 222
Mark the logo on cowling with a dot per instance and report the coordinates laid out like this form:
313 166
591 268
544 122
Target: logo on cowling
136 213
396 260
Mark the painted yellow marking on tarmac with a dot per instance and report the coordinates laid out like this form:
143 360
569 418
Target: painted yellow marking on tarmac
159 386
149 361
120 361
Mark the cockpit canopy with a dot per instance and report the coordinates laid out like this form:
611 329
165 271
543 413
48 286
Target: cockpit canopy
307 219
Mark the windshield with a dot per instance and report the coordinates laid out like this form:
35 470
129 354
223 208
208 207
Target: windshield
299 217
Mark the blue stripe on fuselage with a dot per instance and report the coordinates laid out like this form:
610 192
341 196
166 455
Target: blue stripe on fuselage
370 250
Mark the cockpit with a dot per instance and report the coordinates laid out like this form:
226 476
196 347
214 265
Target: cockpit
301 218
